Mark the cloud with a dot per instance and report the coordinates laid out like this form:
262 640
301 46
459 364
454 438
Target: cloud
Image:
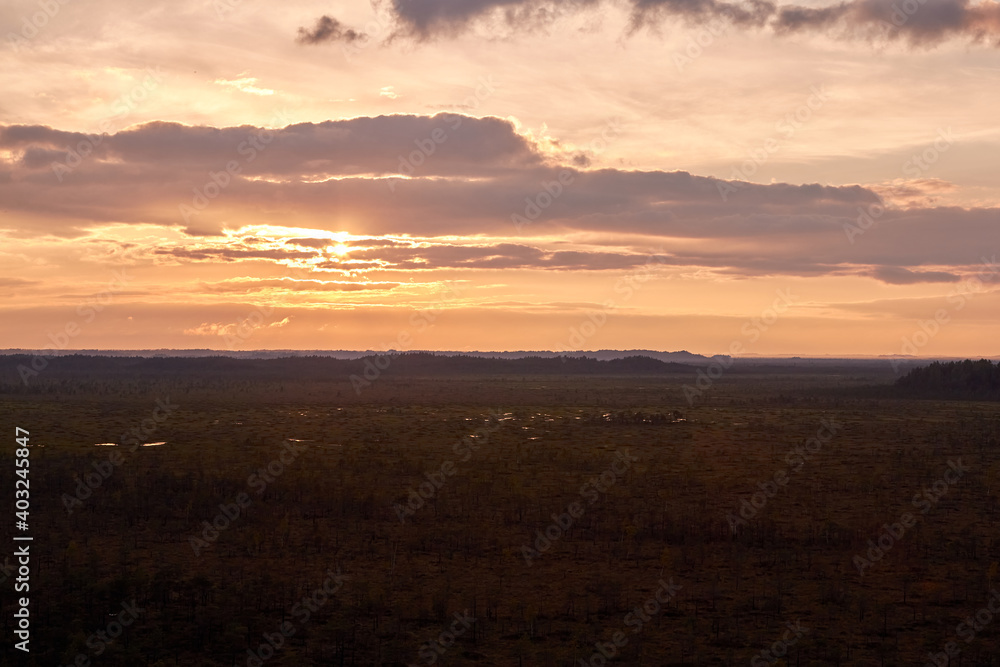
229 254
247 285
363 242
244 326
17 282
363 145
210 329
436 256
753 13
329 29
425 254
715 256
425 19
897 275
246 84
919 22
388 196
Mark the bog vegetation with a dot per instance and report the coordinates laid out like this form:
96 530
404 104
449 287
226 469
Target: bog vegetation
288 520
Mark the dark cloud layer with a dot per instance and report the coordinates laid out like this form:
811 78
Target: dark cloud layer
424 18
752 13
252 285
419 256
917 22
442 144
389 177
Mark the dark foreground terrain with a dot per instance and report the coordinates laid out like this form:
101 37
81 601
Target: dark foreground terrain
447 516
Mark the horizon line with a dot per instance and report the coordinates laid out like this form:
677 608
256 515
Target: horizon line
452 352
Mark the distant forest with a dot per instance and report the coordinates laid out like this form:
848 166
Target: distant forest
968 380
26 374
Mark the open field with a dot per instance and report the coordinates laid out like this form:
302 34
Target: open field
553 509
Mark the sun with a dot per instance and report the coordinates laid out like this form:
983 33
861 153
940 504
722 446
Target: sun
339 250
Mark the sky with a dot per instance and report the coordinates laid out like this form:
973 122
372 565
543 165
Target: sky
806 178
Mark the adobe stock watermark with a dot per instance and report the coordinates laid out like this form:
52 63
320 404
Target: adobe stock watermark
959 297
464 448
785 128
635 620
88 311
89 482
796 458
217 181
590 491
121 107
915 167
550 191
301 611
230 512
428 146
22 617
924 500
752 330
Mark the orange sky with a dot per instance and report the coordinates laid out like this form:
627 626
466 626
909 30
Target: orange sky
501 174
